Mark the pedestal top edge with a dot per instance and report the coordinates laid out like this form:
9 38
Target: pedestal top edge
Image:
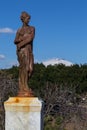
23 100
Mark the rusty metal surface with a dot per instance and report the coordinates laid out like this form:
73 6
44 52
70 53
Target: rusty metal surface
24 43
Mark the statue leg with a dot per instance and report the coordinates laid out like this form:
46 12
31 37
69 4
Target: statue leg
31 64
23 76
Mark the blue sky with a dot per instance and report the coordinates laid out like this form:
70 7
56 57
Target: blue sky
61 29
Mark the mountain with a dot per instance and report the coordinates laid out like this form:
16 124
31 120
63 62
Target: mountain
57 61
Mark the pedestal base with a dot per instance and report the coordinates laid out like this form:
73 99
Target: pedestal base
23 114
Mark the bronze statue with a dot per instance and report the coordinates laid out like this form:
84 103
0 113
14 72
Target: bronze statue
24 42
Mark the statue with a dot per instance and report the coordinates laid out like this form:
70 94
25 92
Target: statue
24 42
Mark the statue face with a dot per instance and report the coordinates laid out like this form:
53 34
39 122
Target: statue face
26 20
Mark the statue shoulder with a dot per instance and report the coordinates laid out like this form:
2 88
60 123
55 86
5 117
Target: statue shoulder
19 30
32 28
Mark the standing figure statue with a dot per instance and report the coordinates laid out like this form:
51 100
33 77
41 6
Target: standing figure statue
24 42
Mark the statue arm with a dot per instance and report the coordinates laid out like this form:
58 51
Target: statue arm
27 38
18 39
32 34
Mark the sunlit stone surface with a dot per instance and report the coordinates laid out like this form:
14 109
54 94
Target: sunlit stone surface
23 114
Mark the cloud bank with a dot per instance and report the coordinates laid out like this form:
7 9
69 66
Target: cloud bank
7 30
2 57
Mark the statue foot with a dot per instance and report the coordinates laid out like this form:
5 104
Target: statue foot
25 93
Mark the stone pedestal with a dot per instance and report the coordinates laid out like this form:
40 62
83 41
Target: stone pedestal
23 113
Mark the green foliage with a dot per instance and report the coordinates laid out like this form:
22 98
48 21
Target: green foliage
59 120
74 77
12 72
52 123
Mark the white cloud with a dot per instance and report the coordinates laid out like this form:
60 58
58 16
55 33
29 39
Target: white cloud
7 30
57 61
2 56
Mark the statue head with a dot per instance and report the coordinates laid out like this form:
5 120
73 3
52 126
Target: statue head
24 15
